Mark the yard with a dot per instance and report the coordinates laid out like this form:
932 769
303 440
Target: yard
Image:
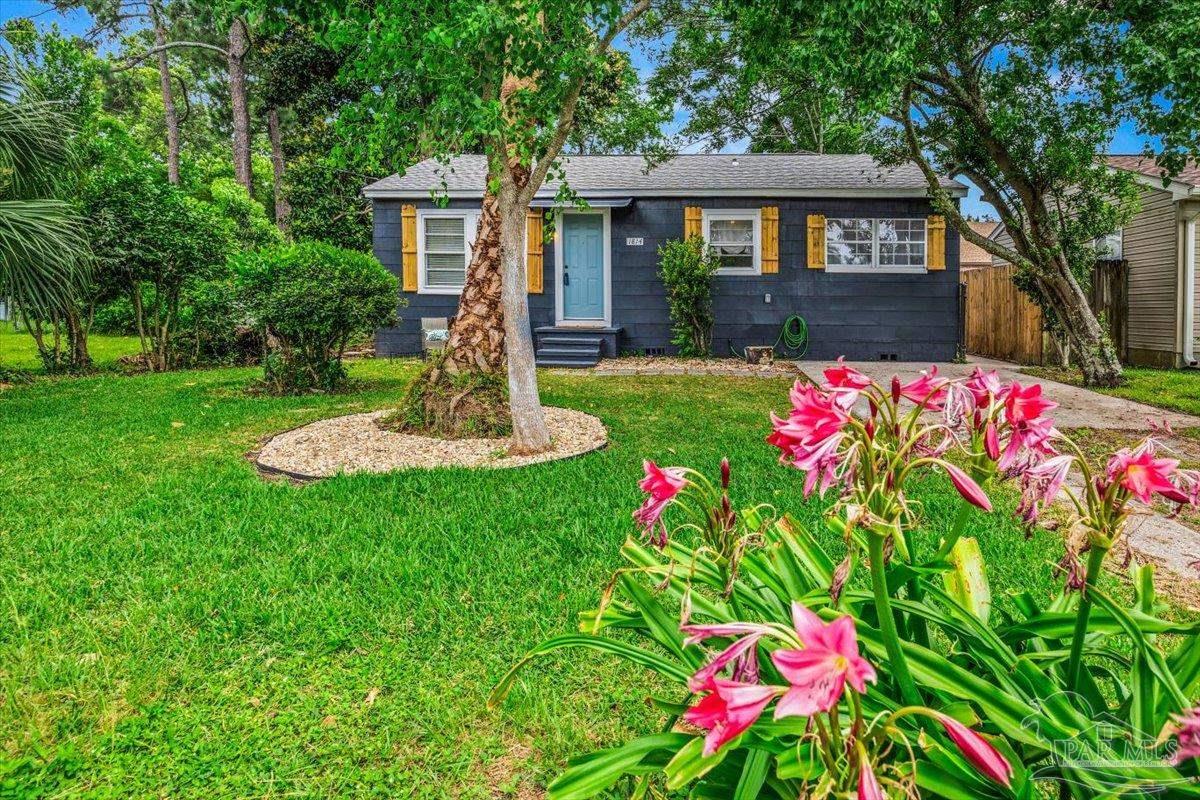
17 349
176 626
1177 389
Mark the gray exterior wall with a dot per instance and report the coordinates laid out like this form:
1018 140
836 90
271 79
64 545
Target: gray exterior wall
861 316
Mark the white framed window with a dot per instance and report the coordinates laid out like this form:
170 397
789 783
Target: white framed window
733 236
1110 247
869 244
444 239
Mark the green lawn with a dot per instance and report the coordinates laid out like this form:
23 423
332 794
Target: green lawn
1176 389
171 625
17 349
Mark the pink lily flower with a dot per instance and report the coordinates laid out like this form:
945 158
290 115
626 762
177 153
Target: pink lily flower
984 387
818 673
1027 443
661 485
868 784
728 710
1187 734
845 383
1041 485
928 389
743 654
1025 403
1143 475
968 488
978 750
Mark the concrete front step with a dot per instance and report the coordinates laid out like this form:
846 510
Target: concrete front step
565 351
568 363
594 342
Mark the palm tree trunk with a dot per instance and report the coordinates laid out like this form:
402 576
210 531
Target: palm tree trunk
239 45
476 340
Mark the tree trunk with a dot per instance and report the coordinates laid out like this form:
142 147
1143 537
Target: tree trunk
77 339
239 45
170 116
282 208
462 392
530 434
477 332
1091 348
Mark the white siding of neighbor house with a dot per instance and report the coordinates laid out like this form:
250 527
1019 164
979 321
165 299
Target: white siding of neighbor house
1151 246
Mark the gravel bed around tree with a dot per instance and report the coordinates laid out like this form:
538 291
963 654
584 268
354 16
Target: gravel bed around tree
354 443
716 367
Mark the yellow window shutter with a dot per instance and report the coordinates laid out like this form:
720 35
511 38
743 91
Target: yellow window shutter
692 225
408 247
816 241
770 240
935 258
533 250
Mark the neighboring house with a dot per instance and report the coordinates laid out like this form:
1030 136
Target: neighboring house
1158 250
851 247
972 256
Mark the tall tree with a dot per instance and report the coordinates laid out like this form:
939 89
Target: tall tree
1017 96
769 106
504 77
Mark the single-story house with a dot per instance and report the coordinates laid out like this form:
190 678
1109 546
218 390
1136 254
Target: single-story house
852 247
1156 250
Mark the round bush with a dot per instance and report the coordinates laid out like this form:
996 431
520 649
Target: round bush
310 300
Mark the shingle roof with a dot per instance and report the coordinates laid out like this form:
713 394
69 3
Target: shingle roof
746 174
1146 166
971 254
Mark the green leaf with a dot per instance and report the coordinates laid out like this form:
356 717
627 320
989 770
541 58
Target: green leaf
595 772
663 627
690 763
802 761
754 774
629 652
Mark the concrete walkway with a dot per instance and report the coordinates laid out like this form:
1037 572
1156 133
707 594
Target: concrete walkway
1078 407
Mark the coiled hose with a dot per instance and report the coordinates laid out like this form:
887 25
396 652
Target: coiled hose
793 336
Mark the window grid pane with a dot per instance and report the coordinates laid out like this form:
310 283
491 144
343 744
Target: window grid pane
848 241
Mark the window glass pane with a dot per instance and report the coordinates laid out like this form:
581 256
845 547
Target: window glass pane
848 242
901 242
445 256
732 242
731 230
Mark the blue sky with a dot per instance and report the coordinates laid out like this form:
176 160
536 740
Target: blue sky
1125 140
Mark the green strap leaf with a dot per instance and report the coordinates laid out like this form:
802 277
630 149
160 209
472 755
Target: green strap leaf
629 652
595 772
754 774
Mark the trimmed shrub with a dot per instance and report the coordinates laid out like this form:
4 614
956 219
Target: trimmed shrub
687 269
309 301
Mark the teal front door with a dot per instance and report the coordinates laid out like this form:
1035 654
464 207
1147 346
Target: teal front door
583 267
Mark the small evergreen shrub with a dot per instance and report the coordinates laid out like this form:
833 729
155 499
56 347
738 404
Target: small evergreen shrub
309 300
687 269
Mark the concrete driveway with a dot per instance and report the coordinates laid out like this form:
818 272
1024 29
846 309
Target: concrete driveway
1078 407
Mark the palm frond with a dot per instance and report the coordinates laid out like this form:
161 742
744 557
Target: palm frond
42 252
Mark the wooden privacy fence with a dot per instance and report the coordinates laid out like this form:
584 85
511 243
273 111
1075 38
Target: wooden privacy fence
1001 322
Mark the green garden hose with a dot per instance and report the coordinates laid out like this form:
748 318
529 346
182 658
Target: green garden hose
793 336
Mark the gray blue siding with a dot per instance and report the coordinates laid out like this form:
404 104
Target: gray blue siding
859 315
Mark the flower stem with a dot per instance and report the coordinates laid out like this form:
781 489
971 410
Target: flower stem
956 532
1075 661
887 622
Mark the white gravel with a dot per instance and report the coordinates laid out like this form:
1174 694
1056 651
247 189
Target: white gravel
354 443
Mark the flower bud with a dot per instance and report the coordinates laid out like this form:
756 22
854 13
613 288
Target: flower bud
724 473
